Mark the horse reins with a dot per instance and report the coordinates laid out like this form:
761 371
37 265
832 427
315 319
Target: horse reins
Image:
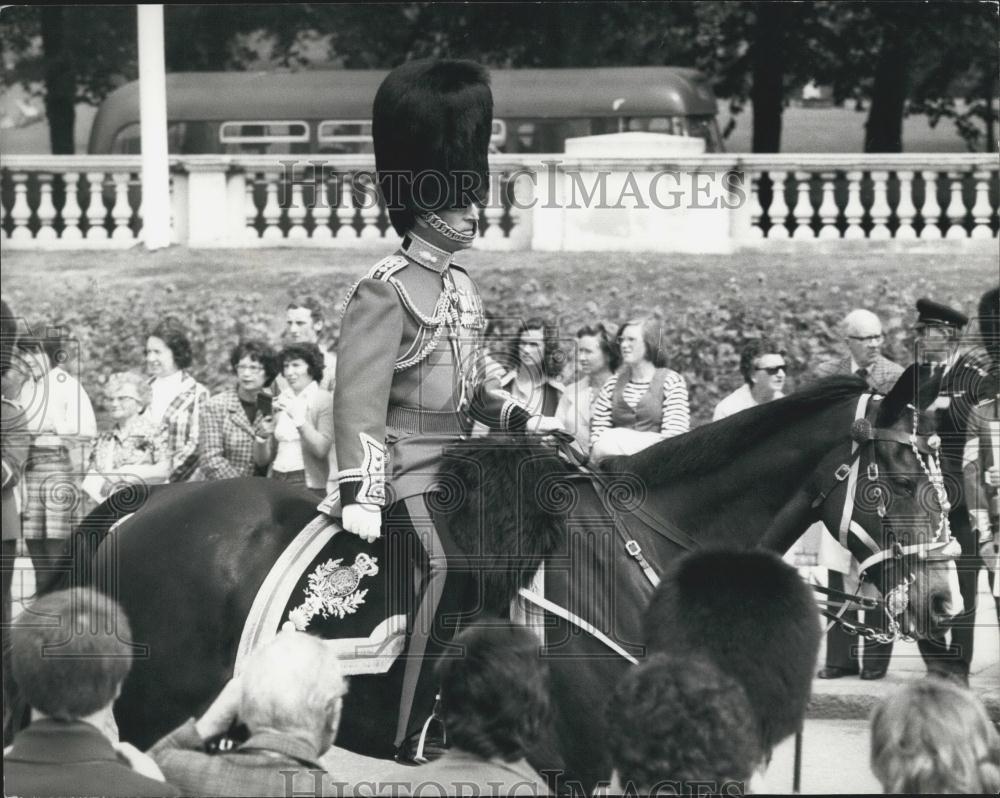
864 434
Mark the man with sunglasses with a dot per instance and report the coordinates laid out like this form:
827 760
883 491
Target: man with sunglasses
864 337
763 367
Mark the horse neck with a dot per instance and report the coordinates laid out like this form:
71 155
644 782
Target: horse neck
757 497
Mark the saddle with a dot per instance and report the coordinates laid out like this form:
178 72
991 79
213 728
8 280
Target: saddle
333 585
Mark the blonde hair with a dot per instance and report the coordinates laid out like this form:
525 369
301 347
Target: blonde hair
934 736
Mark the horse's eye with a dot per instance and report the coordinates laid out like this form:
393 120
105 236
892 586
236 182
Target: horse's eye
903 482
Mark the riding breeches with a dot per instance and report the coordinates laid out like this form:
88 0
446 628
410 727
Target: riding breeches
445 599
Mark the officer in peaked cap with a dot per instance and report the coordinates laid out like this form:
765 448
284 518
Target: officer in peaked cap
939 331
411 376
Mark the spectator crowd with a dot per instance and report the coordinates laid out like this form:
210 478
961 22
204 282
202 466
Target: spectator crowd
717 692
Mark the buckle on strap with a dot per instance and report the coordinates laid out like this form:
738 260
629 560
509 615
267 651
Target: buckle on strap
633 548
843 472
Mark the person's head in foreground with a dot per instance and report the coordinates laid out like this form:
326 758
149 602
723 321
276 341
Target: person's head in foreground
293 686
751 615
494 695
677 723
934 736
70 654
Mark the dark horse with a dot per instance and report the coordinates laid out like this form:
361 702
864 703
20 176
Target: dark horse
188 563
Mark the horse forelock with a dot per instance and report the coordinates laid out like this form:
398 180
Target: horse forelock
497 500
711 448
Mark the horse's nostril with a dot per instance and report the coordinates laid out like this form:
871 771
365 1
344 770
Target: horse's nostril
939 605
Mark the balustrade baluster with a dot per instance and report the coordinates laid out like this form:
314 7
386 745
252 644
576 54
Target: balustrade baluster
20 212
321 209
345 209
272 210
981 210
854 211
46 211
880 209
778 210
756 209
803 210
121 213
71 208
297 214
370 211
956 209
905 210
250 210
493 212
930 212
828 207
96 212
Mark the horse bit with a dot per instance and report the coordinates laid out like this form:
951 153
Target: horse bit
942 547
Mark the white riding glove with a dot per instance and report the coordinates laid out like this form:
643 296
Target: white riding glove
364 520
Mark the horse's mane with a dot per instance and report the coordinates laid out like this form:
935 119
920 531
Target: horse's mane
707 449
503 501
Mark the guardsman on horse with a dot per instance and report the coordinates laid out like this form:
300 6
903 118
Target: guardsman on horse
411 372
939 332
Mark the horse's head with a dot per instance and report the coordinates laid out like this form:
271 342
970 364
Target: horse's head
890 507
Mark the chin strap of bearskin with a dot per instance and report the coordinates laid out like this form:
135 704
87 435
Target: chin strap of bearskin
447 230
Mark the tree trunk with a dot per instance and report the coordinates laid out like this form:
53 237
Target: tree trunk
884 127
767 72
60 84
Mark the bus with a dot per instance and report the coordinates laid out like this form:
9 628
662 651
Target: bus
329 111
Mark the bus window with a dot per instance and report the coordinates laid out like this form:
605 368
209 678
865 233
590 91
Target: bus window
128 140
705 127
344 136
498 136
266 137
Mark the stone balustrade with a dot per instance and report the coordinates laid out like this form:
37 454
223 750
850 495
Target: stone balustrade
711 203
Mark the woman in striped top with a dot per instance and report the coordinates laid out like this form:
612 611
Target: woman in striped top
645 402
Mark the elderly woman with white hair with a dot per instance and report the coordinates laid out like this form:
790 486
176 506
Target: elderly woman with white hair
134 451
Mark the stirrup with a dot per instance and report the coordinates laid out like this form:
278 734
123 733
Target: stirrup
418 754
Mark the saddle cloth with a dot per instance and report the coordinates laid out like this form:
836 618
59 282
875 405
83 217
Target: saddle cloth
334 585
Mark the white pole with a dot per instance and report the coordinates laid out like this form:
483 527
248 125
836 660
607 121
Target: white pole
153 129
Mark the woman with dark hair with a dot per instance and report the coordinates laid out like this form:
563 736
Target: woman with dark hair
296 440
645 402
61 423
533 379
234 417
597 359
494 703
177 399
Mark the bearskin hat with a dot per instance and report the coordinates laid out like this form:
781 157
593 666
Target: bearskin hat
431 125
753 617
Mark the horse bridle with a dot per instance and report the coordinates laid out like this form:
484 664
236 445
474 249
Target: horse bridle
942 547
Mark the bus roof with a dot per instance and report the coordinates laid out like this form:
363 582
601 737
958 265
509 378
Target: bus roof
348 94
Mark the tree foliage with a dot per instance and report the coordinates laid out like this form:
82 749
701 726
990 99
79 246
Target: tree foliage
900 58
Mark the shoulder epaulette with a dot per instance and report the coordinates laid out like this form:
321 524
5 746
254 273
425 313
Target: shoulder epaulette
383 271
387 267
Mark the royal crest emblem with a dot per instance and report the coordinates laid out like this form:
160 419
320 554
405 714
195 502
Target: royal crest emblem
334 590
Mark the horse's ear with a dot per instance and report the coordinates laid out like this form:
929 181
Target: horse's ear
918 386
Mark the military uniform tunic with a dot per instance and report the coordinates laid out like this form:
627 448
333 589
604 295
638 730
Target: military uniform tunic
411 375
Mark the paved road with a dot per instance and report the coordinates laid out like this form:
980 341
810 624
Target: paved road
834 760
